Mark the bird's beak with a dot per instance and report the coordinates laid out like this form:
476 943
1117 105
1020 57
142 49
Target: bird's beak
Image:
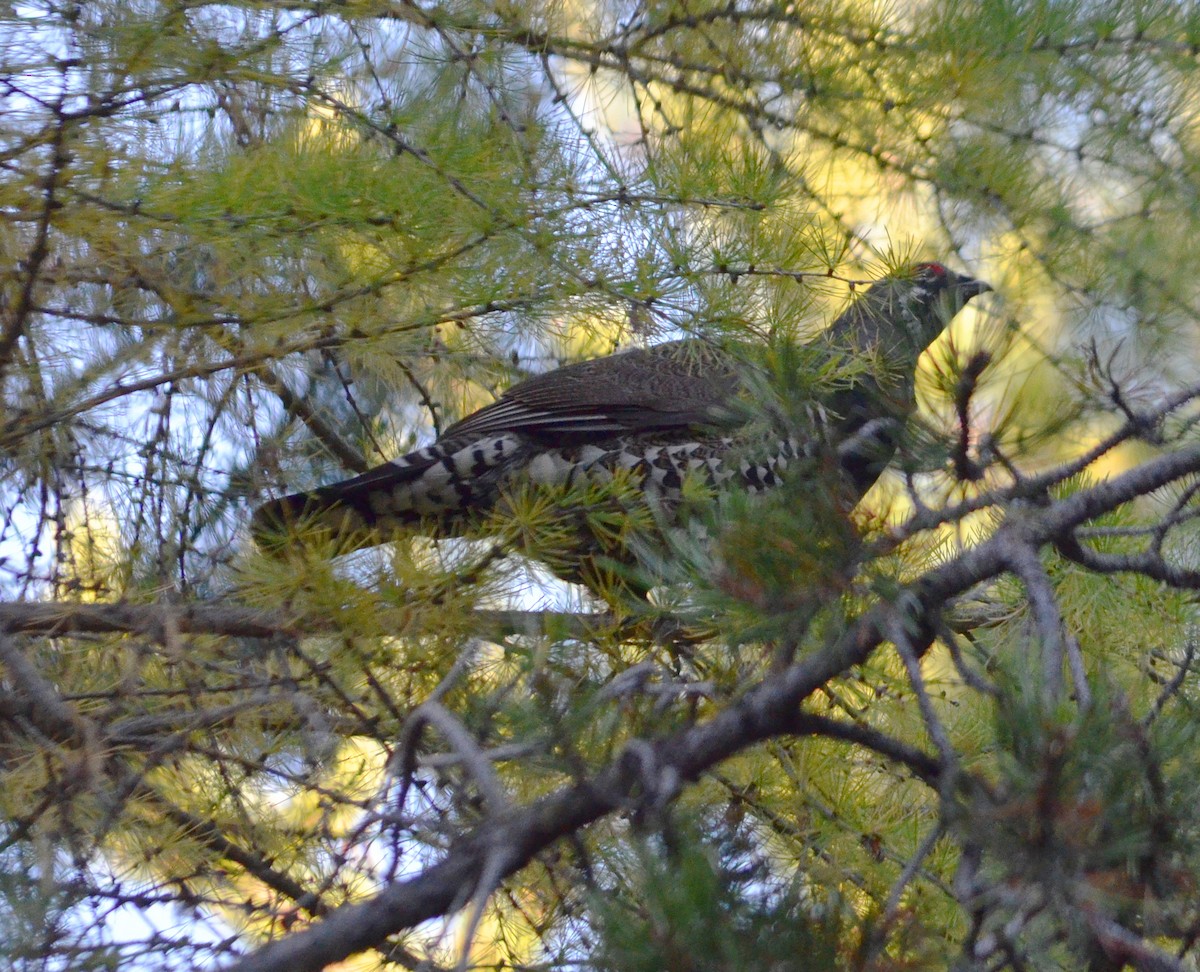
969 287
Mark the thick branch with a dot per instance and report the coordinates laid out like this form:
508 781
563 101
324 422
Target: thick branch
236 621
65 618
649 768
508 841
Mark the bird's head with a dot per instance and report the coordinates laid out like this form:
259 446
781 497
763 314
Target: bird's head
936 293
930 282
911 307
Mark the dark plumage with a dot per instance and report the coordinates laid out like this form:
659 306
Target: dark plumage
661 413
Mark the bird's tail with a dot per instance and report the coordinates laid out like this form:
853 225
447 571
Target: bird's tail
428 489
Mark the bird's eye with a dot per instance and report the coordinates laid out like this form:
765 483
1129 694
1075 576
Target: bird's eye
933 271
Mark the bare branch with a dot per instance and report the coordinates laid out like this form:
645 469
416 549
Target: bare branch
237 621
509 841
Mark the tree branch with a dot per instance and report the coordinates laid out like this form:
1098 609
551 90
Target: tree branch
237 621
507 841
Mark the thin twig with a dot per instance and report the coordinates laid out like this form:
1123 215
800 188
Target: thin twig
892 907
912 664
1173 686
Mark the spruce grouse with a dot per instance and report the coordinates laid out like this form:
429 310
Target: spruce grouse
652 417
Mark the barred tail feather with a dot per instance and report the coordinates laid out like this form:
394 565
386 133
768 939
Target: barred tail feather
437 485
344 510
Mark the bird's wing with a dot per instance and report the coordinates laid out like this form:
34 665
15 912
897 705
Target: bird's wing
674 385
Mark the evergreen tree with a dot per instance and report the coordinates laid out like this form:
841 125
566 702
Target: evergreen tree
251 249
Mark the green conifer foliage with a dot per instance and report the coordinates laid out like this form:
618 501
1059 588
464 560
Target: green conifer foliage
248 249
